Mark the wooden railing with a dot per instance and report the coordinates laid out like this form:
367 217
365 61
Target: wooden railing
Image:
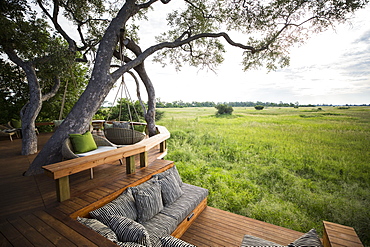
60 171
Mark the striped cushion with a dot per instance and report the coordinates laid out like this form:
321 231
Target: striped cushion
184 205
148 199
159 226
123 205
170 241
128 230
252 241
129 244
99 227
173 170
310 239
170 188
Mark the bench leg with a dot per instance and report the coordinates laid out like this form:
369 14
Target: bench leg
130 165
144 159
62 187
91 173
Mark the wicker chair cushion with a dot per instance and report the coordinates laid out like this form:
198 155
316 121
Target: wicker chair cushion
122 136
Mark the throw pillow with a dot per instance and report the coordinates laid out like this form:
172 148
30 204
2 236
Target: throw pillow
129 244
99 227
170 241
82 143
123 125
148 198
310 239
173 170
108 126
16 123
128 230
170 189
123 205
252 241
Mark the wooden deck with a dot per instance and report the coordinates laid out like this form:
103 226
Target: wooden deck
31 216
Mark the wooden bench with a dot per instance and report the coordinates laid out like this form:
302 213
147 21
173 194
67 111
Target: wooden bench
61 171
336 235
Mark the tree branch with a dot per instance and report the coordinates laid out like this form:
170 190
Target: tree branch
53 90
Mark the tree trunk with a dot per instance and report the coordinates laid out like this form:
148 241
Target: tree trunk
30 112
150 114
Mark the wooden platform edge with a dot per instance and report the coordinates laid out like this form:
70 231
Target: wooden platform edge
336 235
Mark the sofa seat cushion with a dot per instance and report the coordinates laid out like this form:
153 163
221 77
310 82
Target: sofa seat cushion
159 226
123 205
100 149
185 204
128 230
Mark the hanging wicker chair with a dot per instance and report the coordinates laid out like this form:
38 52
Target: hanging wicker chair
121 136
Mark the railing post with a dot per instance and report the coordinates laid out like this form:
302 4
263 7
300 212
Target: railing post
130 165
62 186
144 159
163 146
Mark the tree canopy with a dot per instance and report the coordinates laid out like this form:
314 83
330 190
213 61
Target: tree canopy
107 32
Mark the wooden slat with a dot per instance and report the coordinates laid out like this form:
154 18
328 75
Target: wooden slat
215 227
47 231
30 233
336 235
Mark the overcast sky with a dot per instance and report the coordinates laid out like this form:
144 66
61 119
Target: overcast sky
331 68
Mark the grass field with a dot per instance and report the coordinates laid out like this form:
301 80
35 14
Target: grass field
289 167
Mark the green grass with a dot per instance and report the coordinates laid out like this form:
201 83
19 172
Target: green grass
289 167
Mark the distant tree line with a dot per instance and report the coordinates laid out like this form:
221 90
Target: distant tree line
181 104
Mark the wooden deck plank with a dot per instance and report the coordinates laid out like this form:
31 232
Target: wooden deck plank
220 228
29 232
12 236
47 231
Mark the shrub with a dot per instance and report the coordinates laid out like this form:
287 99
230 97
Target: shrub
259 107
223 109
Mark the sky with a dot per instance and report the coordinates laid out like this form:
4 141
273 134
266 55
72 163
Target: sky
332 67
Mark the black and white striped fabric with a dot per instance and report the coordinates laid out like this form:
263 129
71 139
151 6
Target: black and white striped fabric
170 241
99 227
159 226
123 205
148 199
309 239
170 188
173 170
185 204
128 230
129 244
252 241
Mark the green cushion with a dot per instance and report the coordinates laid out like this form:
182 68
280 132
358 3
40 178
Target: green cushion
16 123
82 143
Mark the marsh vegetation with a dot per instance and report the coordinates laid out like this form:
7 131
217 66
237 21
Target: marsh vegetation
286 166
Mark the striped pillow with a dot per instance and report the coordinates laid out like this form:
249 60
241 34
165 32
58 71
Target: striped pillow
148 199
123 205
129 244
170 189
128 230
99 227
173 170
170 241
308 239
